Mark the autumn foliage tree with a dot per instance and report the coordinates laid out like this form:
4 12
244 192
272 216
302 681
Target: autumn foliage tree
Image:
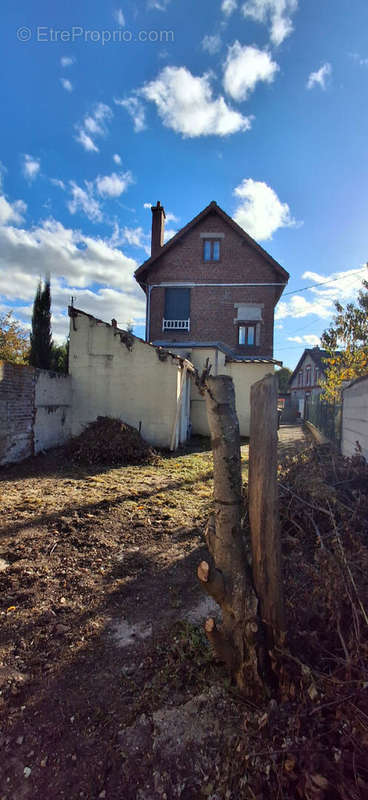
346 342
14 342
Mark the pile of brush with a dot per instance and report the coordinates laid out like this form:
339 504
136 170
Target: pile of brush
109 441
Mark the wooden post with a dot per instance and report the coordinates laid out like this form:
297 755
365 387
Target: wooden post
263 506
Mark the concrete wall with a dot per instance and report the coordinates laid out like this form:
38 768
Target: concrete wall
137 383
53 418
35 411
243 375
355 417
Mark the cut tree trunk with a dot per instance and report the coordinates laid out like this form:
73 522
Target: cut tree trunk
240 639
263 507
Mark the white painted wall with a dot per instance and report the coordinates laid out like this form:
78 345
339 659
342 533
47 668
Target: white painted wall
53 418
355 417
243 375
133 385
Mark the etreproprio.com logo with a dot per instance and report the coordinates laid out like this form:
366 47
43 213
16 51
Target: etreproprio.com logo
45 34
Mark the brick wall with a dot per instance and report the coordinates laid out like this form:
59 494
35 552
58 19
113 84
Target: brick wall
213 308
34 411
17 390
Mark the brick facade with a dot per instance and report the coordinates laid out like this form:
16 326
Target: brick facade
213 310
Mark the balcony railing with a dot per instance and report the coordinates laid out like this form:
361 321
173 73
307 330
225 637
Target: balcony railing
176 324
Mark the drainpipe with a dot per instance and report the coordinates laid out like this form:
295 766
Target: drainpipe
148 312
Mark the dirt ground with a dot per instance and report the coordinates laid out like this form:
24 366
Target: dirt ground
100 618
108 688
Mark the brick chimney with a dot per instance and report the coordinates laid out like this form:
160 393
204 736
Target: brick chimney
158 228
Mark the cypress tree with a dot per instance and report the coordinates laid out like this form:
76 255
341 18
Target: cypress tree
41 339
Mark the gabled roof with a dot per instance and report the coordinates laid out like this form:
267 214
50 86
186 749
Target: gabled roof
210 209
317 355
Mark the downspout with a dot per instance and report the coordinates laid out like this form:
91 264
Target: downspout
148 312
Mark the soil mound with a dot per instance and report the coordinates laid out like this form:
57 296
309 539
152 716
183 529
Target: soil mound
109 441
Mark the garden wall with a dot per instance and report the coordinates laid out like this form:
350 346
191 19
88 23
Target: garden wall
355 417
35 411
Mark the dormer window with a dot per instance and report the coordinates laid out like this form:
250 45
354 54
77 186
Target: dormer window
211 250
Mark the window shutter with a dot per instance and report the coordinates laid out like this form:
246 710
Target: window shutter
177 303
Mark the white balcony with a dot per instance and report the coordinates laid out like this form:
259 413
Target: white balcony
176 324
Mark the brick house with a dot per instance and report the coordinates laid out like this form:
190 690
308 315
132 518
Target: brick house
306 379
210 283
211 291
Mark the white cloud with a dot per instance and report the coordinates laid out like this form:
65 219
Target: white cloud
113 185
31 167
11 212
57 182
86 141
81 260
147 205
228 6
94 124
276 13
308 338
168 234
117 158
66 84
159 5
342 286
84 200
244 68
136 237
211 44
300 306
186 104
119 17
260 211
67 61
75 261
170 217
319 78
136 111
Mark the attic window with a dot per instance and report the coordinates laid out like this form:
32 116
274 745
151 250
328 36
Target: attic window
211 250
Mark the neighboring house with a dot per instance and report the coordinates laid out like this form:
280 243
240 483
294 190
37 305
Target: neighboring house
306 379
211 293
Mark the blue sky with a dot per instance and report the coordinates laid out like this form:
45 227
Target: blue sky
260 105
